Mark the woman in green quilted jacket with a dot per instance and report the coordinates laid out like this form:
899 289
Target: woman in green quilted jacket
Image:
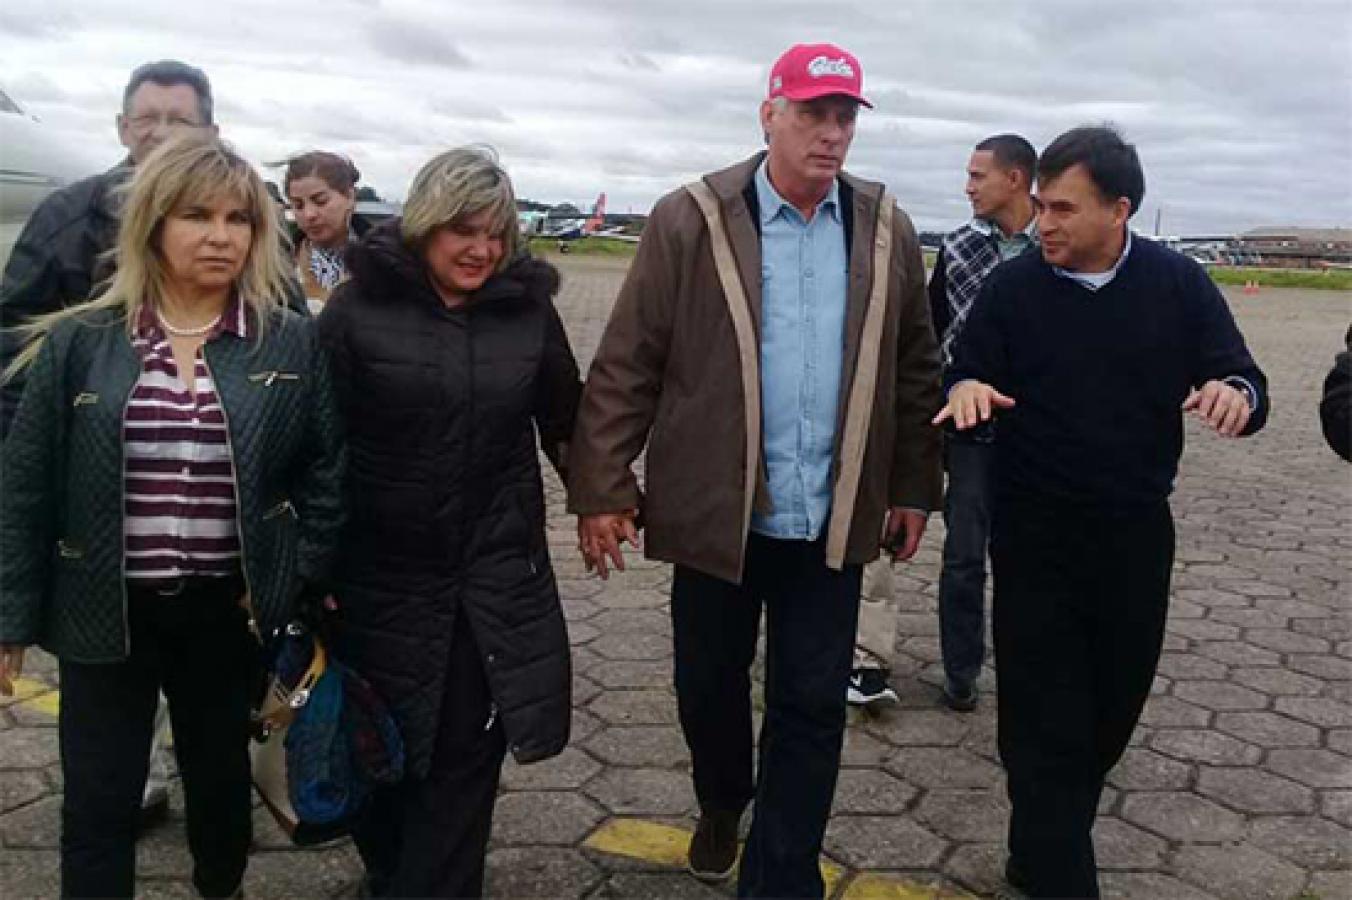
171 491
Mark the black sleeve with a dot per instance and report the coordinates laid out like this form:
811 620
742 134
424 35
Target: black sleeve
1335 408
938 296
979 351
321 469
1221 353
41 277
558 392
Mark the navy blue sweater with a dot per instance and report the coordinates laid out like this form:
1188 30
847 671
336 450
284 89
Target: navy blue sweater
1099 376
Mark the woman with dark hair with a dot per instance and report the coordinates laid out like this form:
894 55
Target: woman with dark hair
172 489
449 357
321 189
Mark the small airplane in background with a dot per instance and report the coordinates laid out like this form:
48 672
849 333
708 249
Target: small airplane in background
33 163
570 229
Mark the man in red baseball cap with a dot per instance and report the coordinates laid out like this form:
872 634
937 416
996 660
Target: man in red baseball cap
772 348
808 117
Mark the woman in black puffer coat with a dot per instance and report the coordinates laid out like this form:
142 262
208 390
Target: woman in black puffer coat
448 357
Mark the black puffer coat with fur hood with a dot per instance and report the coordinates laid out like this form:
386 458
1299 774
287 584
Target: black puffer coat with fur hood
447 512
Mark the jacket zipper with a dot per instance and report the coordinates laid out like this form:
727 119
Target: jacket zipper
469 435
284 507
267 378
122 516
239 522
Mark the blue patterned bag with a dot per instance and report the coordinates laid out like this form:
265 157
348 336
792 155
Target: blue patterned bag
321 779
338 740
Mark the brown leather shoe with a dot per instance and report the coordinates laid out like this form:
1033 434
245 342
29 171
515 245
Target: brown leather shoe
713 849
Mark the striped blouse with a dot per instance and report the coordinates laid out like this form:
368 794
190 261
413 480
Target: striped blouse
179 481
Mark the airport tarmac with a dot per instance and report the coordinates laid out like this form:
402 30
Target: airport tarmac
1238 783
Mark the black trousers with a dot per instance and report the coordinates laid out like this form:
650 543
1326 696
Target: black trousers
1080 603
811 612
428 837
197 648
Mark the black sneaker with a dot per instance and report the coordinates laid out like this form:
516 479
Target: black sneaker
959 698
868 686
713 849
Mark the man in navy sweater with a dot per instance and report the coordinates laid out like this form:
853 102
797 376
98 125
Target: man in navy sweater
1090 353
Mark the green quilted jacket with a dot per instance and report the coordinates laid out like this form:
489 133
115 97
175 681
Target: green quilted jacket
61 479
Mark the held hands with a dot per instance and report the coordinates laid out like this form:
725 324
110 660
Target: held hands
11 667
1223 408
599 538
970 403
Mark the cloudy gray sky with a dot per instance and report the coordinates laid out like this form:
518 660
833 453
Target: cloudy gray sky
1241 110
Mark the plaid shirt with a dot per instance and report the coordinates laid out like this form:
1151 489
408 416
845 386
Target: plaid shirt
970 253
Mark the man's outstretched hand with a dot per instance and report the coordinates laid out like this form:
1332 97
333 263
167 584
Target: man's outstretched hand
970 403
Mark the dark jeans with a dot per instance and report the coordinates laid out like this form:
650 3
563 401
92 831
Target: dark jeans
962 584
196 647
428 837
810 613
1080 604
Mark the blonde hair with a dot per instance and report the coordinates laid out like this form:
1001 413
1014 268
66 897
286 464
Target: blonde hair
190 169
458 184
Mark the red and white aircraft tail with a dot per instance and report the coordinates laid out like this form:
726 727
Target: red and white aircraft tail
597 220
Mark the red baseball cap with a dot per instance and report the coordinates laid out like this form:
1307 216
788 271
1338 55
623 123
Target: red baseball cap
808 71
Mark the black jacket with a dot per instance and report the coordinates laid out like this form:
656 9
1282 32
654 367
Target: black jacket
61 483
444 487
57 262
1335 407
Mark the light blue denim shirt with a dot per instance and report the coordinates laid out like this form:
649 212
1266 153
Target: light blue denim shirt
804 279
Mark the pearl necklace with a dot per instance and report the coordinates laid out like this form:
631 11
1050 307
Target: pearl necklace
186 332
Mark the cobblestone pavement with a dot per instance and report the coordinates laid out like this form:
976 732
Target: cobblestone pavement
1238 783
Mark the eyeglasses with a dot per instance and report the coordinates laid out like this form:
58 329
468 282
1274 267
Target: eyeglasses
147 122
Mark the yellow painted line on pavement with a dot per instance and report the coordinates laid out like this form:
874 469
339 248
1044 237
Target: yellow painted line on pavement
888 887
48 703
666 845
24 688
43 698
30 693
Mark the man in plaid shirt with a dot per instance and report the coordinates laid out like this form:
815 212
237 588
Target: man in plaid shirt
999 183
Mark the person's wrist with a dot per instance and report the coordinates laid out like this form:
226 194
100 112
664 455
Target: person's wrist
1244 389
